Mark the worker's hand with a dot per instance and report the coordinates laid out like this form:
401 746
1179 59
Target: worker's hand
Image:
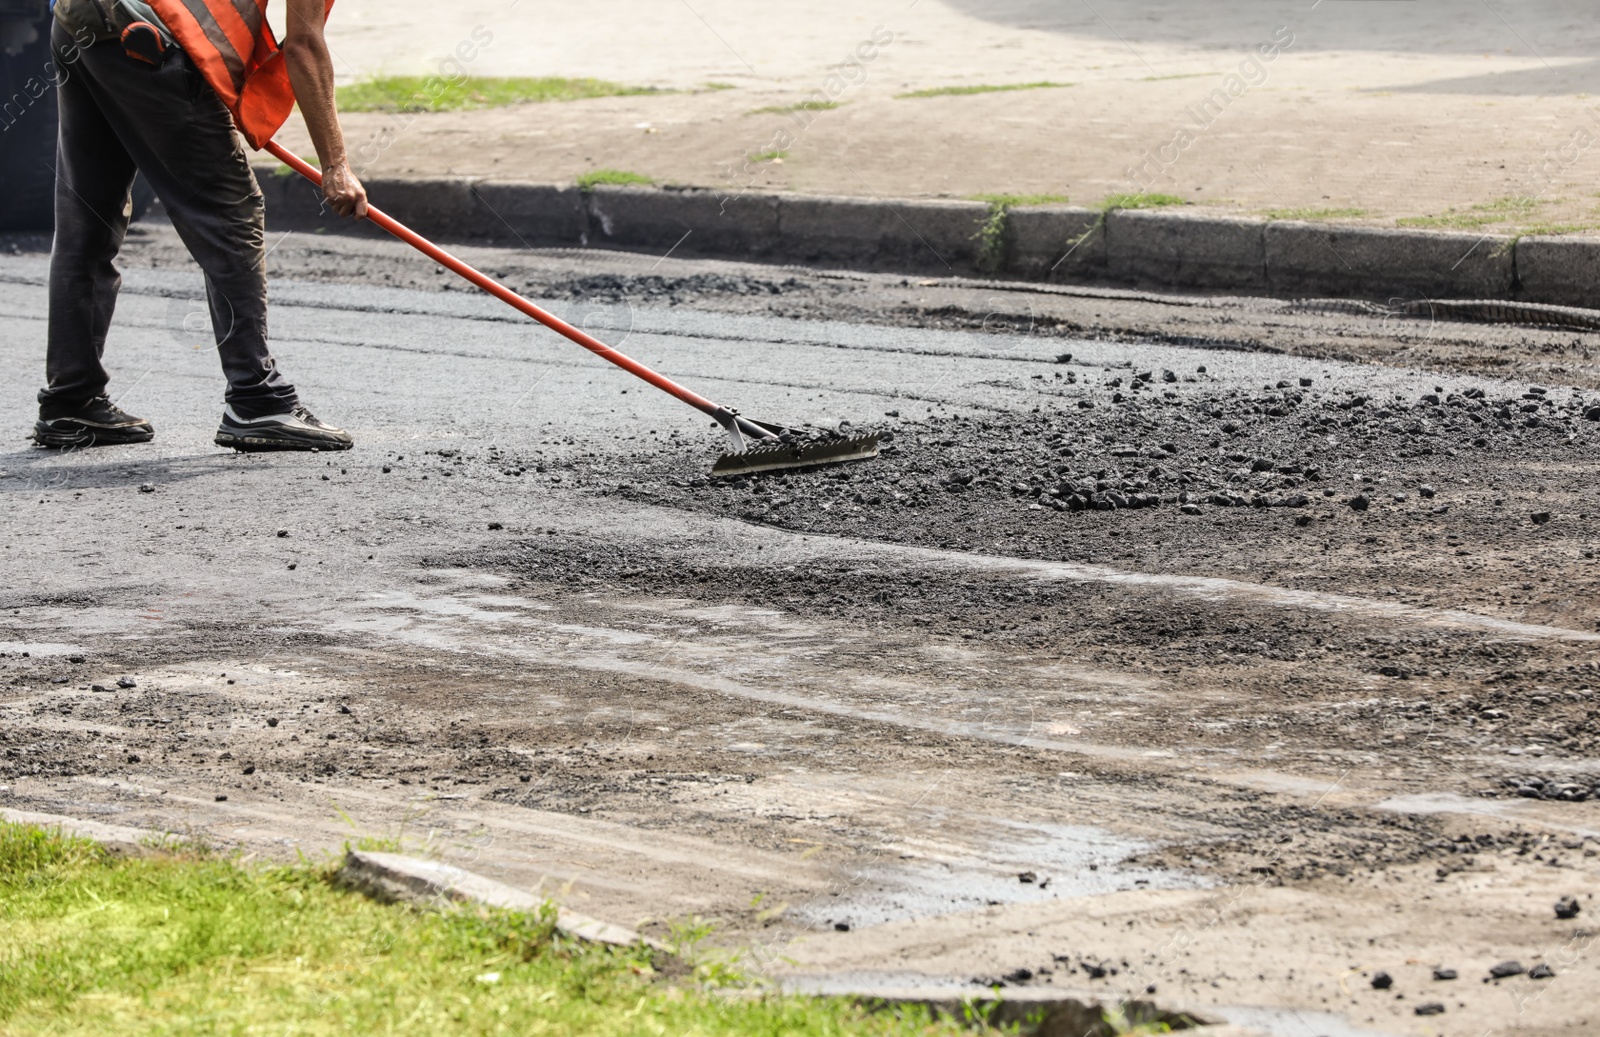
343 191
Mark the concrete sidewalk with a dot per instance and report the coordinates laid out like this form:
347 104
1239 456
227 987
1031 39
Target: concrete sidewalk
1460 114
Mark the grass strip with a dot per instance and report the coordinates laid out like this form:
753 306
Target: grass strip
966 91
92 944
1139 201
1501 210
1554 229
618 177
434 94
1011 201
790 109
282 170
1314 214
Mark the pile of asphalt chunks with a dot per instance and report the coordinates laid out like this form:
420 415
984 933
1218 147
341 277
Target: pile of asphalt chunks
1533 787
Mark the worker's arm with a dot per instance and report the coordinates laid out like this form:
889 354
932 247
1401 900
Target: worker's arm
305 51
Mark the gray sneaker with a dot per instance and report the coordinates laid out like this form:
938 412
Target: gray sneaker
297 430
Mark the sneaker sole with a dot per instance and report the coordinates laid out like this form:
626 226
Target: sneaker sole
85 435
259 442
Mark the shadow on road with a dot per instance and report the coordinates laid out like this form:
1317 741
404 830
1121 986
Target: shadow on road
1548 28
36 470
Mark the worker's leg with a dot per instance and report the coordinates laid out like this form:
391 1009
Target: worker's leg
93 176
181 137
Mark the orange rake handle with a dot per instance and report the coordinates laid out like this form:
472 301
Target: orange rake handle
727 418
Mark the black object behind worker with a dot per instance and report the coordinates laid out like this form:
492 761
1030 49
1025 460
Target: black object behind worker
28 121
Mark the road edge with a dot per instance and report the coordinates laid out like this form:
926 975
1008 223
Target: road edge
1150 248
396 877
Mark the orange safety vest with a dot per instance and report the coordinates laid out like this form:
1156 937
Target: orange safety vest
232 45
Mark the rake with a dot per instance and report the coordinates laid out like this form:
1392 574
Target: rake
754 446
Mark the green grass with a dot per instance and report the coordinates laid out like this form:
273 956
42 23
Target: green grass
1502 210
620 177
93 945
966 91
1448 221
720 86
790 109
1011 201
285 171
432 94
991 234
1551 229
770 156
1542 230
1139 201
378 844
282 171
1314 214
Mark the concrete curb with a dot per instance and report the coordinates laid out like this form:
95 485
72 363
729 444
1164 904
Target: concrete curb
1309 258
393 877
1160 248
1565 271
1055 243
698 221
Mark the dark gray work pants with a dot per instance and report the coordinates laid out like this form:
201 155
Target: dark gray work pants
119 117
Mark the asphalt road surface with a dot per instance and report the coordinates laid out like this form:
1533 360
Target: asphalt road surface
1221 652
